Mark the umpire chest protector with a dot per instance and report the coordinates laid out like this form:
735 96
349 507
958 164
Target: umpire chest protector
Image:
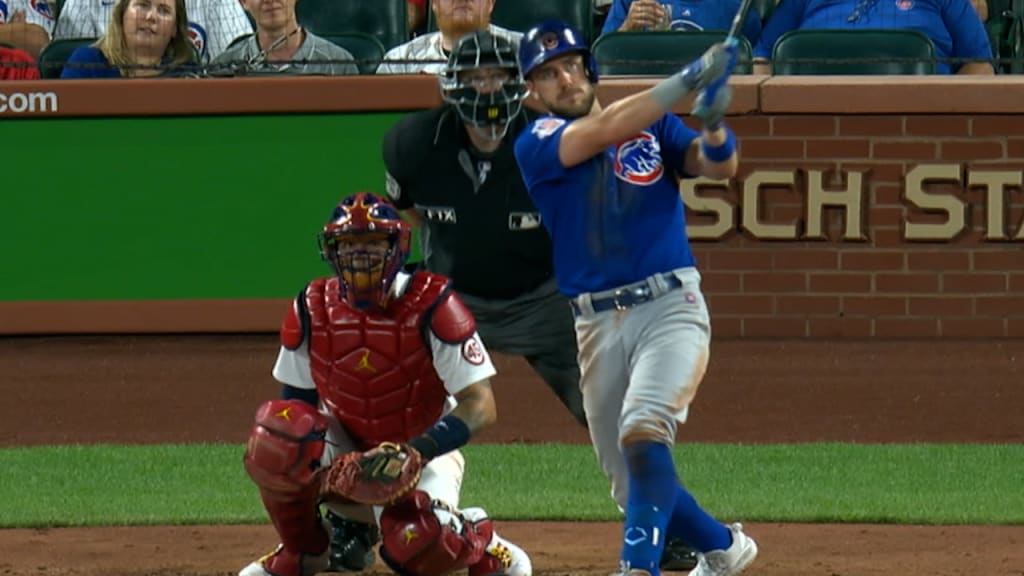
480 226
375 371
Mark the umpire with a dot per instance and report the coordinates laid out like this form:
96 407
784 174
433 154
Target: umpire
452 170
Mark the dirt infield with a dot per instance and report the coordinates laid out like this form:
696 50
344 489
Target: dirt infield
90 389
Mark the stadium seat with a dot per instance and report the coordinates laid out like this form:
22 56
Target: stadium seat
383 19
999 29
855 44
1017 37
366 49
1005 27
57 52
521 15
659 53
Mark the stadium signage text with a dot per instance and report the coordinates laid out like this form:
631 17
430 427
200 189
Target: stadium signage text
929 189
27 102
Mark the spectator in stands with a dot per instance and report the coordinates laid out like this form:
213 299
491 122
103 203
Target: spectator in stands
280 45
428 54
213 24
27 25
981 7
417 16
953 25
143 38
631 15
17 65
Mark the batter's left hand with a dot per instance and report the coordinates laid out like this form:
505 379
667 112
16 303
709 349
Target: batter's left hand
712 102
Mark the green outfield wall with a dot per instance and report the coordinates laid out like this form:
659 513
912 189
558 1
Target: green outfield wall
177 207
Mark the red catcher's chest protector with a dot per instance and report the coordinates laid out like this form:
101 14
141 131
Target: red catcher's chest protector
375 371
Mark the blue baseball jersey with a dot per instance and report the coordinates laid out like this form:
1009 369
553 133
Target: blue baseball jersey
616 218
89 55
953 25
693 15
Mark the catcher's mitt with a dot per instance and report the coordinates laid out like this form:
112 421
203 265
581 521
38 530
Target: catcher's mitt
379 476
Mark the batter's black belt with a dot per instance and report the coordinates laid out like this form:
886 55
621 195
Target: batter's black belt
627 296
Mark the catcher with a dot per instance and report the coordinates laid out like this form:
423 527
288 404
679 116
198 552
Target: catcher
384 379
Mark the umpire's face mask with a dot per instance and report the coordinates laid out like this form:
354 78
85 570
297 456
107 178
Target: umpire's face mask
487 99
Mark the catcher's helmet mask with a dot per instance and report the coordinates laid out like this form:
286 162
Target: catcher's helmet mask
492 104
350 242
550 40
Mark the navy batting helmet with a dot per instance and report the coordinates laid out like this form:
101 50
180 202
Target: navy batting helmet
551 39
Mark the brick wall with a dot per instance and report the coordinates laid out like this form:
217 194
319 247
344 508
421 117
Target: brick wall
880 278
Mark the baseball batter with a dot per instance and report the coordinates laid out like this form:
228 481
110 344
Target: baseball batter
604 180
372 356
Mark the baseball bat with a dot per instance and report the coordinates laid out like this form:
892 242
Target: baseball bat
739 19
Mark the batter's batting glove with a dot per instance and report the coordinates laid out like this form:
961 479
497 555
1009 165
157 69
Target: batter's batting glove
713 101
713 66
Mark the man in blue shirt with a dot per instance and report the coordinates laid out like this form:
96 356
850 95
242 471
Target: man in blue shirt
605 182
953 25
632 15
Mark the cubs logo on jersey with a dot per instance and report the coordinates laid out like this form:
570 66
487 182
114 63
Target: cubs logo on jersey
638 160
3 12
197 34
44 9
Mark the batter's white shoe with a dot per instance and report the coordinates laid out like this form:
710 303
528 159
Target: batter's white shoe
730 561
283 563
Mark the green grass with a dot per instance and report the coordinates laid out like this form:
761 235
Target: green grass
205 484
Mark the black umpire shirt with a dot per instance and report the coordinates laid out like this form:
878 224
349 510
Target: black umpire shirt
479 226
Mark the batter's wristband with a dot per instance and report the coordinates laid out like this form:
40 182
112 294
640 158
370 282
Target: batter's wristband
450 433
723 151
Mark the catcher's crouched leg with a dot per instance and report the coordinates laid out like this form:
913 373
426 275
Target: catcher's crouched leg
283 459
424 537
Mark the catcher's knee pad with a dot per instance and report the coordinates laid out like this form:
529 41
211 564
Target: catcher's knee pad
425 537
285 446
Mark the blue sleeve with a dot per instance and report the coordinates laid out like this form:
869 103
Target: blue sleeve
675 138
788 15
537 151
752 27
616 16
86 55
965 28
